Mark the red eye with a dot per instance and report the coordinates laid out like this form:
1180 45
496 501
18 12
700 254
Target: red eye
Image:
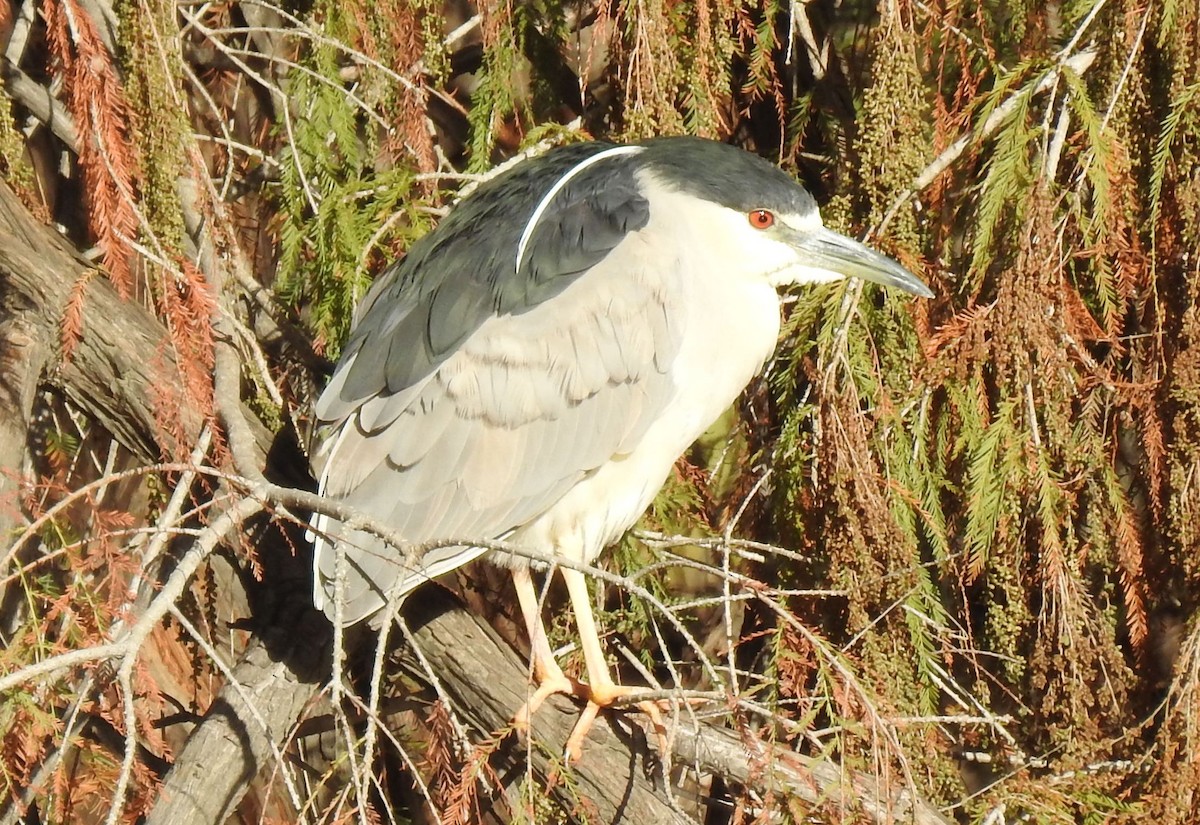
761 218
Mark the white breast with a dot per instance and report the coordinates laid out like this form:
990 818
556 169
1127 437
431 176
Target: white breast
730 318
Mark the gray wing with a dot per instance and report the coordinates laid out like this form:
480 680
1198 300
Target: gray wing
464 272
446 434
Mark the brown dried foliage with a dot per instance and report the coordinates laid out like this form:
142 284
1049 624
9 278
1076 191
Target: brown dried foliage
71 328
107 158
184 398
409 140
455 783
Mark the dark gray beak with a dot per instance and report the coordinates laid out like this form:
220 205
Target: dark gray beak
824 249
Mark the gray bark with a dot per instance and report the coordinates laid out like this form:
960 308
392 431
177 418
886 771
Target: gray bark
113 363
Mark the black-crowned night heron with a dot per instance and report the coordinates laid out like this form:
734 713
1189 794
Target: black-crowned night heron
533 368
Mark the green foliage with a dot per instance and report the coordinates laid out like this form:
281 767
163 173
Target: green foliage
1180 117
12 147
918 516
435 57
154 82
989 461
337 207
1006 180
494 98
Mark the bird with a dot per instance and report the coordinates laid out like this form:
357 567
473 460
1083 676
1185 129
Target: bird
533 368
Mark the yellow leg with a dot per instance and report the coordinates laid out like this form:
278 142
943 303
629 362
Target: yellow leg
602 691
546 673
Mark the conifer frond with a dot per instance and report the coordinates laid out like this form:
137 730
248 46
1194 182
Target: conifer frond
964 524
987 490
1004 187
111 168
1182 107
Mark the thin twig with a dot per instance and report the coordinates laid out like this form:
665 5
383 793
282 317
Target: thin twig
131 643
1078 63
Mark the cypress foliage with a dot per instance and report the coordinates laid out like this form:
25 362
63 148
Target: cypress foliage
974 518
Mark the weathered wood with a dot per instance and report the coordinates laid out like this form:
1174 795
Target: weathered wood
23 355
25 345
123 353
619 774
618 777
111 368
486 683
276 677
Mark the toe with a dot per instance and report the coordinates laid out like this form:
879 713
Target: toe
574 747
549 682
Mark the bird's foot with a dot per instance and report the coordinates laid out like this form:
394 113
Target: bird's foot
550 680
603 696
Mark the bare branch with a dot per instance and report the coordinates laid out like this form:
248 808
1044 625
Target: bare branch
1077 63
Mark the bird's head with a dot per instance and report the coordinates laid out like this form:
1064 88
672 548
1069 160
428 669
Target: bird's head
760 215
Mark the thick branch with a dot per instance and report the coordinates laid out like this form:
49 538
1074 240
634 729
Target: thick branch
23 355
251 717
618 774
486 682
124 350
619 778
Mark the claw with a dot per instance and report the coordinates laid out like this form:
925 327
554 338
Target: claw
551 681
600 691
603 696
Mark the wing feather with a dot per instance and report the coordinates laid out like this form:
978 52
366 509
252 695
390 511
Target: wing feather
466 460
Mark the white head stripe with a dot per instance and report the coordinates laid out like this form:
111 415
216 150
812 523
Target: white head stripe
557 187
